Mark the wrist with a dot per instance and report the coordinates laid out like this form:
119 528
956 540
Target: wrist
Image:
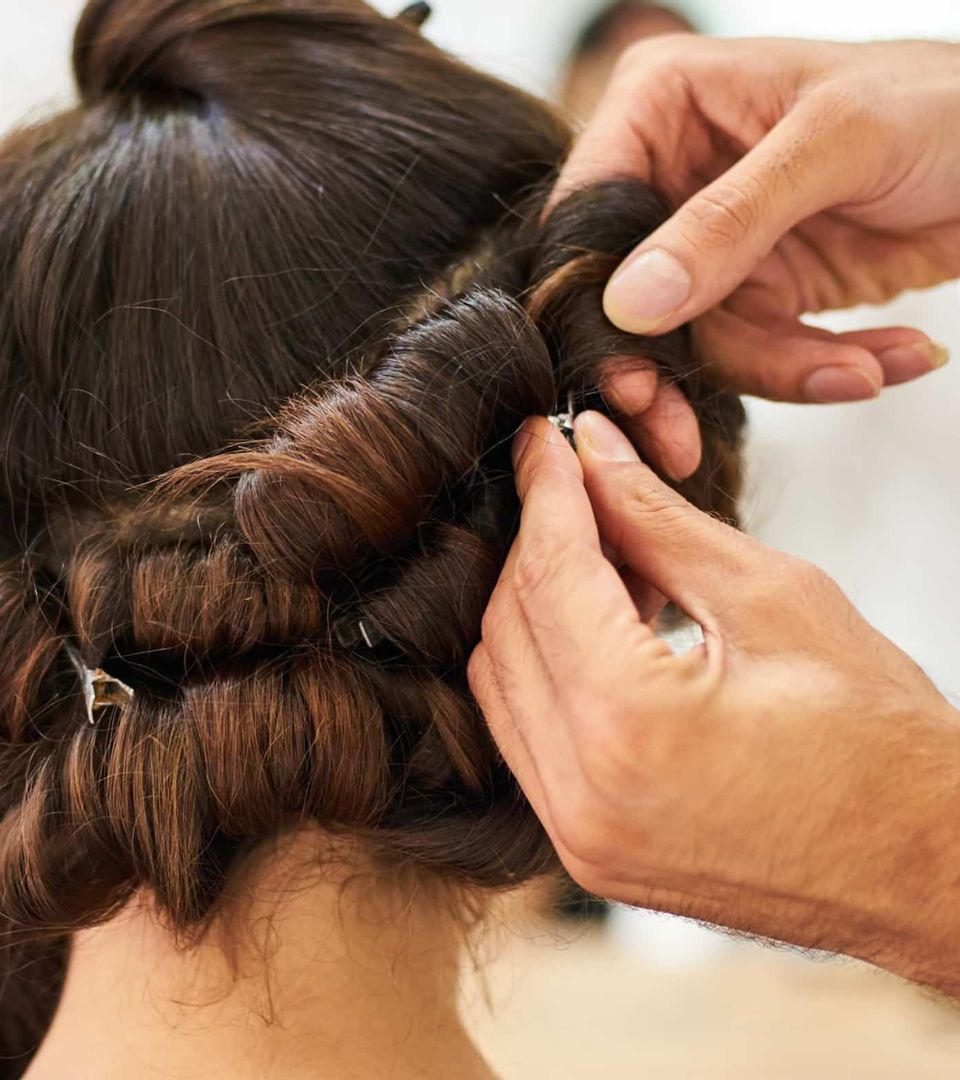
907 920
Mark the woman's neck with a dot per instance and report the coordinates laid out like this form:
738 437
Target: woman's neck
305 979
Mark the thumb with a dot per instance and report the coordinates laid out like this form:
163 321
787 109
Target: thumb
692 558
717 238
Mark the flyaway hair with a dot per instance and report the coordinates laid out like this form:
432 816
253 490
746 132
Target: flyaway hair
276 296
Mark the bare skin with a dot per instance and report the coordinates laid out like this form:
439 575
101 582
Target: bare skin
809 176
308 976
797 776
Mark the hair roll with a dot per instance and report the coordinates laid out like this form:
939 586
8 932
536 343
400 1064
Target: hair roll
174 51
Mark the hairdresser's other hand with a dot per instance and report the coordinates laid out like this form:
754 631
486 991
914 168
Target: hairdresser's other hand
810 176
797 776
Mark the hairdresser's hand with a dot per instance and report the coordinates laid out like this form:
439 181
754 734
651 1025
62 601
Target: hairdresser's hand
810 176
797 777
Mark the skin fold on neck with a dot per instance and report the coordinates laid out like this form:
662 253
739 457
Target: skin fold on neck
307 975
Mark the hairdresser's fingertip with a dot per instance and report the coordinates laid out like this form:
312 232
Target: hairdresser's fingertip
647 292
670 433
535 434
601 437
521 442
537 442
629 391
835 383
903 363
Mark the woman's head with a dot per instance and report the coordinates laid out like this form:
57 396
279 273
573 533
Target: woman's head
245 199
290 252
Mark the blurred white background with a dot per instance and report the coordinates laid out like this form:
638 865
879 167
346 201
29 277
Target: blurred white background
869 492
524 40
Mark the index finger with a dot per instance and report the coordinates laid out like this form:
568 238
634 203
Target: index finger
576 607
549 480
639 103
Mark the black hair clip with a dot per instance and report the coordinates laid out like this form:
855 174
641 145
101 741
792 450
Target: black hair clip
416 14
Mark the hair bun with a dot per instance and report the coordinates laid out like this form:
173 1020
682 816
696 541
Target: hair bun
139 46
190 51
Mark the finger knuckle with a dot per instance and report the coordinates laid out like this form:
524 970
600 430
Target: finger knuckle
850 111
781 581
542 568
842 102
657 509
799 576
634 58
644 58
722 217
810 582
535 571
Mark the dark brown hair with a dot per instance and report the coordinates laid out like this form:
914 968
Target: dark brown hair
292 251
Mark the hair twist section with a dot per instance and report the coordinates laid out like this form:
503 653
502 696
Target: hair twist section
294 615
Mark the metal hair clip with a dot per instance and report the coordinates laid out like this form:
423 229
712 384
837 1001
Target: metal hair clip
563 422
416 14
100 690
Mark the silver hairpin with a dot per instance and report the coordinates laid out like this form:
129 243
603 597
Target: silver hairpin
351 632
369 636
100 690
563 422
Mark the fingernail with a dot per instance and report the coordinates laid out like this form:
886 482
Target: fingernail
907 362
645 290
603 437
941 354
831 384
